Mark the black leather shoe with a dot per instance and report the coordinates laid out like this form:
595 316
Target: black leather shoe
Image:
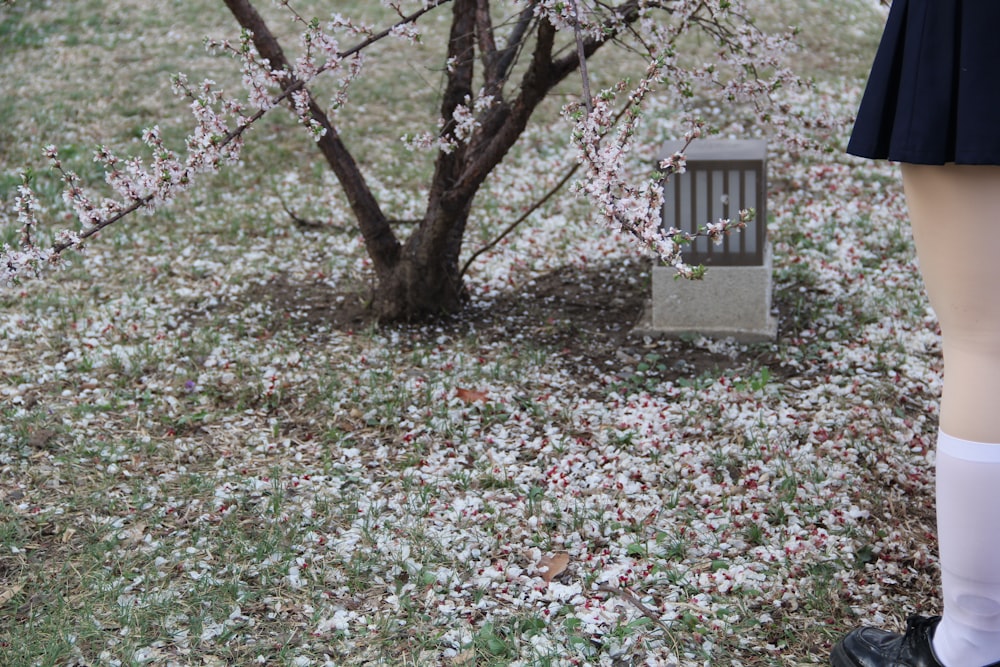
871 647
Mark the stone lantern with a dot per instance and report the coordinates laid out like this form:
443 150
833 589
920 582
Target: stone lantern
734 298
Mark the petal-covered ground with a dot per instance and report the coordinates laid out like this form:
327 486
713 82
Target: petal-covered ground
208 457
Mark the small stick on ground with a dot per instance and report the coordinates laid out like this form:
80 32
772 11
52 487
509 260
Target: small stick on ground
631 598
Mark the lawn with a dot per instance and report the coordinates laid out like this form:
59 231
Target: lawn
209 455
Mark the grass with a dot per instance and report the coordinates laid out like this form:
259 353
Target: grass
204 461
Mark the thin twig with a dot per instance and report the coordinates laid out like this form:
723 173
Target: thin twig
303 222
524 216
630 597
385 33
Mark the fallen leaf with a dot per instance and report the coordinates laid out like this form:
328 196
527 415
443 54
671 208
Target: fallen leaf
554 565
466 658
470 395
133 535
8 594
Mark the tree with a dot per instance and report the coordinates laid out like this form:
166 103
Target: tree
502 59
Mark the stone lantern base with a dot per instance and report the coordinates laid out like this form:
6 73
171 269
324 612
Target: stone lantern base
730 301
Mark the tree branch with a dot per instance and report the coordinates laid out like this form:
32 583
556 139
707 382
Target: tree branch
382 244
628 13
515 42
142 202
461 59
497 62
487 47
490 150
581 54
542 75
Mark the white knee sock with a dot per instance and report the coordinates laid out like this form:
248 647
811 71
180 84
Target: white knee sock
968 520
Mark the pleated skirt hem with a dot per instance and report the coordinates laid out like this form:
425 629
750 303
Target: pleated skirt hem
933 95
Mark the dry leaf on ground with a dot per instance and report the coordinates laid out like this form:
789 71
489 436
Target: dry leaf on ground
8 594
466 658
470 395
555 565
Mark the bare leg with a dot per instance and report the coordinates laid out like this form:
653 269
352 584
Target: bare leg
955 214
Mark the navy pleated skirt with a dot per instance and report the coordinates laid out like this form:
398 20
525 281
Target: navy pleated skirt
933 95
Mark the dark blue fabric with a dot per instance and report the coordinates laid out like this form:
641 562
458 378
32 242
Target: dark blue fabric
933 95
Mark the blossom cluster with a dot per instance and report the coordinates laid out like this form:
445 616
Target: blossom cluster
216 140
606 135
450 135
749 67
627 203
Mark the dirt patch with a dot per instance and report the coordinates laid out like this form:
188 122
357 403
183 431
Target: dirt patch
310 306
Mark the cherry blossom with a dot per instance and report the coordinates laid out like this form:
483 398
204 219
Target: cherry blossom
750 68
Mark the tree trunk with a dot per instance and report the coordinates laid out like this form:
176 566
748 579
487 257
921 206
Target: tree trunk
425 282
417 288
420 279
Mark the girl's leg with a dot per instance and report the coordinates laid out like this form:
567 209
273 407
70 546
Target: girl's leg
955 214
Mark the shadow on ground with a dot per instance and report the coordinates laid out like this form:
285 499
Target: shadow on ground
584 314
